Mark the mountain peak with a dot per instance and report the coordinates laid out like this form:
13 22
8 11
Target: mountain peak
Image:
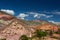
4 15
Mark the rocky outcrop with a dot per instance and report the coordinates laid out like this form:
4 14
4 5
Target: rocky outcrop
12 28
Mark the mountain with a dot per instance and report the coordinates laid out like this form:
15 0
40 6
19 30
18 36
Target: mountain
12 28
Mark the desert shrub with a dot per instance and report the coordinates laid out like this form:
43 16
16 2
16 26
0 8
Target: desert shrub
3 39
40 34
23 37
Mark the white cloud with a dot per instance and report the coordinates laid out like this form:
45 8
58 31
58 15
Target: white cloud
52 12
33 14
8 11
51 21
22 16
38 15
49 16
57 23
56 13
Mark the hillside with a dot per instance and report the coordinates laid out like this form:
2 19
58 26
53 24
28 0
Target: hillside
12 28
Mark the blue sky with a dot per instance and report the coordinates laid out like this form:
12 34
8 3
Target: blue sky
41 9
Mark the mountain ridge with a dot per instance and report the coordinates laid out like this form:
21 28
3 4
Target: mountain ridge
13 27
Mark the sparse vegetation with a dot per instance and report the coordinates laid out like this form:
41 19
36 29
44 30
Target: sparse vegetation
40 34
58 32
23 37
37 35
50 33
3 39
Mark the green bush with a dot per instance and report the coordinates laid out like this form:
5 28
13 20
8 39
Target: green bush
40 33
23 37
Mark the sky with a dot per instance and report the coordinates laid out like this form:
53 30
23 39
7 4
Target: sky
32 9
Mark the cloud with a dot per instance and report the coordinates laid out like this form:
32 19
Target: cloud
56 13
22 16
33 15
49 16
8 11
51 21
52 12
38 15
57 23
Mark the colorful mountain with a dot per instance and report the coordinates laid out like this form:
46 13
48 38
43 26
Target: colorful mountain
12 28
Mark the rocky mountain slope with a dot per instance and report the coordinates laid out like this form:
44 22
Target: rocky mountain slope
12 28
